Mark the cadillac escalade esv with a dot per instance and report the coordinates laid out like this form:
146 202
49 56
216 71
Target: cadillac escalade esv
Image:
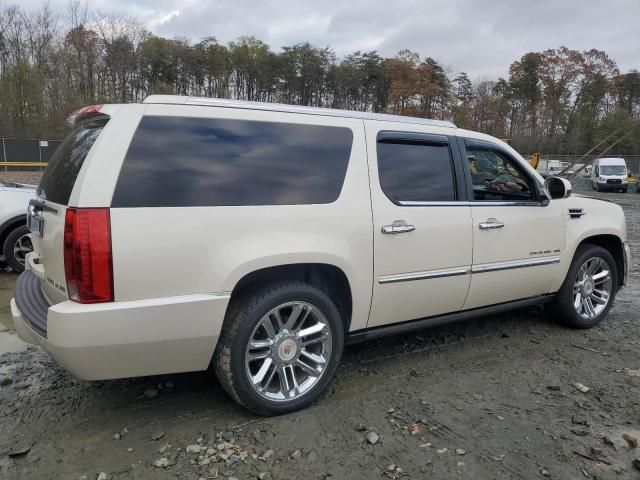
184 233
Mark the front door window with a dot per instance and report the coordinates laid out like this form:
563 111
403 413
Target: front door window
495 177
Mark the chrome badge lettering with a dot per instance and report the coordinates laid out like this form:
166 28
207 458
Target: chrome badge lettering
52 282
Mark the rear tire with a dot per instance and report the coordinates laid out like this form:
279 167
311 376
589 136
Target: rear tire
16 246
279 347
588 291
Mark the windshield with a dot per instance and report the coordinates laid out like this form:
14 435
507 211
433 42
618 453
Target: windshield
613 170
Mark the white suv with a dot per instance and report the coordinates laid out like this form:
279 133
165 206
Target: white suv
258 239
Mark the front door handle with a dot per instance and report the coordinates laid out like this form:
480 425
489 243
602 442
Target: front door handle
397 228
491 224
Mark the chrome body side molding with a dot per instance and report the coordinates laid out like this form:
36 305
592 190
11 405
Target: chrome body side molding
465 270
475 203
407 277
495 267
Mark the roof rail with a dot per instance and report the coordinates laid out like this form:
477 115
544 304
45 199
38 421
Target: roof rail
278 107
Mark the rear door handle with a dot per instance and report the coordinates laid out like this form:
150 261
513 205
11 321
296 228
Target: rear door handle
396 228
491 224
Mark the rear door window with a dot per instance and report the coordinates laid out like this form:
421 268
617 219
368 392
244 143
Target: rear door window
414 172
65 164
184 162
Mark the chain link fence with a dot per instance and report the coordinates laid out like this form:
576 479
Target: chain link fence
633 161
16 152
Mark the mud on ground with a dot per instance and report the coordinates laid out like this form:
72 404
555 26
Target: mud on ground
490 398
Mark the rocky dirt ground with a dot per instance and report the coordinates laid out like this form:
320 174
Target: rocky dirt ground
491 398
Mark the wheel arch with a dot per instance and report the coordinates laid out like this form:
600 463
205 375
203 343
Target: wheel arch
614 245
327 277
9 225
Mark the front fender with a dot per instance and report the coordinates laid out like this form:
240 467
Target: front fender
599 218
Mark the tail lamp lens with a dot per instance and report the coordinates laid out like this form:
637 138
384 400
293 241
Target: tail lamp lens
88 263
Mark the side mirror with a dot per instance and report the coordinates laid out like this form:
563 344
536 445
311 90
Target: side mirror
557 187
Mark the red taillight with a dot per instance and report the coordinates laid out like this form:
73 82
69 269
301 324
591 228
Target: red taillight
87 255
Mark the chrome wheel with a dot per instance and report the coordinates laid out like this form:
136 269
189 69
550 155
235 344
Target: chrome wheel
21 247
592 287
288 351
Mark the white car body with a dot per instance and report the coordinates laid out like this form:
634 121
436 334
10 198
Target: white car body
175 269
14 199
610 174
549 168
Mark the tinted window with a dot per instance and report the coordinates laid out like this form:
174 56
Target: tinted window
416 172
179 161
496 177
60 175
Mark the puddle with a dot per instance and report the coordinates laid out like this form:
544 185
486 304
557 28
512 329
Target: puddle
9 342
356 387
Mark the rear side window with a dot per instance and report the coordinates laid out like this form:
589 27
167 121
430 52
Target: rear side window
182 162
64 166
413 172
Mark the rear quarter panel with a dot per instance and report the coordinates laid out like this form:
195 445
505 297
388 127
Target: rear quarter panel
163 252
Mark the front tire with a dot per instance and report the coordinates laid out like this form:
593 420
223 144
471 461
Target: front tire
587 294
16 246
279 347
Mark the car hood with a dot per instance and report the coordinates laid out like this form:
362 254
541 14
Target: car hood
582 195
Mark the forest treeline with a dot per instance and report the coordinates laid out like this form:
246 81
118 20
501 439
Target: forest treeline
560 101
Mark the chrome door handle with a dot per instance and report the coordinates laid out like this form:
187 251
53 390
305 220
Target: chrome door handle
491 224
397 228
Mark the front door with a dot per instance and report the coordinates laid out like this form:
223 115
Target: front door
422 223
518 236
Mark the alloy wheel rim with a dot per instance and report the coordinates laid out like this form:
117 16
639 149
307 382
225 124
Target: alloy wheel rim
288 351
592 288
21 248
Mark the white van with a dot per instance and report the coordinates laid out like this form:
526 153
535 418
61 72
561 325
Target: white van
291 231
609 174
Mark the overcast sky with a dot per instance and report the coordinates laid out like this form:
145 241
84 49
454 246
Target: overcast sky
479 37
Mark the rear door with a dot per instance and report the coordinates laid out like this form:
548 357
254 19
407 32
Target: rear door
422 223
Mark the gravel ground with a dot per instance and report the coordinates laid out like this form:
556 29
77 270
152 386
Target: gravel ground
32 178
490 398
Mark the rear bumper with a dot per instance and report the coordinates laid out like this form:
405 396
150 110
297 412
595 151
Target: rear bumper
129 339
